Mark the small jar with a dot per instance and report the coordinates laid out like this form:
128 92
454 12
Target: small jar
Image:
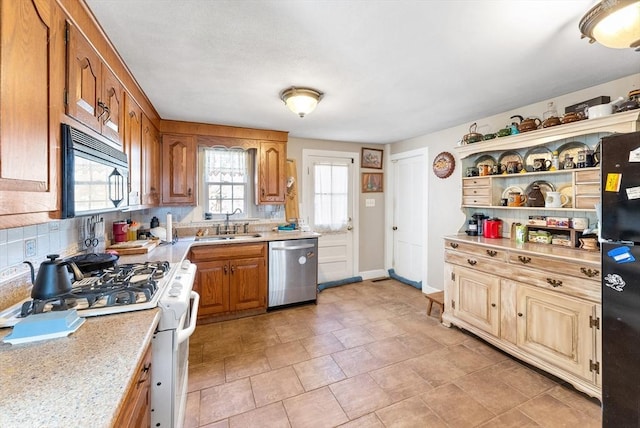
472 227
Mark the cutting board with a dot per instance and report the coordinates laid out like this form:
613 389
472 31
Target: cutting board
134 247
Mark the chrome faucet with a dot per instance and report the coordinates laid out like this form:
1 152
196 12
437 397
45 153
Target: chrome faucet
226 221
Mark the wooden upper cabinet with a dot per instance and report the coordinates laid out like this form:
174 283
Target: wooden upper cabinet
271 176
29 45
150 163
133 148
94 94
178 169
112 97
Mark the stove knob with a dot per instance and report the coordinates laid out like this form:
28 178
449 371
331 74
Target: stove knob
174 293
185 264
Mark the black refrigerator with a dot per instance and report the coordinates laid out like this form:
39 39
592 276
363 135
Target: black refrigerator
620 249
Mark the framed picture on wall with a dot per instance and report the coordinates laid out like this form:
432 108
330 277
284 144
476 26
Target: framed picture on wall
371 158
372 182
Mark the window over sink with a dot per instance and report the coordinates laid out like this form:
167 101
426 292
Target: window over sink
226 180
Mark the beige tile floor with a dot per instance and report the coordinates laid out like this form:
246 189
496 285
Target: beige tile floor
367 356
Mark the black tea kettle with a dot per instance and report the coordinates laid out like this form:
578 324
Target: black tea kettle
53 278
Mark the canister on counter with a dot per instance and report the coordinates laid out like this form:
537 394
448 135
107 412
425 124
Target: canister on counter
521 233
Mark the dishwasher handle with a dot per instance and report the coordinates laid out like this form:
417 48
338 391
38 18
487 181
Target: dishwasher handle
293 247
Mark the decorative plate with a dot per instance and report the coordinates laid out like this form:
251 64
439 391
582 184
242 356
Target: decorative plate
510 156
485 160
539 152
571 149
568 192
510 189
443 165
545 187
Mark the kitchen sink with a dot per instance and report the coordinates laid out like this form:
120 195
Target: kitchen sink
228 237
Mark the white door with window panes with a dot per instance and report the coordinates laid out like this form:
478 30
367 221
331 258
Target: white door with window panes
328 185
226 182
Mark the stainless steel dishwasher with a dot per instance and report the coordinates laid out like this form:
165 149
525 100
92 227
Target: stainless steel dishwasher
293 271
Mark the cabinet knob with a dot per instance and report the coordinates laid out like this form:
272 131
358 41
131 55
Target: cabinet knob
394 228
492 253
472 262
493 305
519 314
524 260
453 244
225 269
233 269
189 191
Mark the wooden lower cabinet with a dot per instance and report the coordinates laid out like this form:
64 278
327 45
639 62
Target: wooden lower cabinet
231 279
477 296
557 329
136 410
547 321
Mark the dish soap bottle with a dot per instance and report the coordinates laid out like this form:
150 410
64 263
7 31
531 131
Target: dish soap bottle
555 161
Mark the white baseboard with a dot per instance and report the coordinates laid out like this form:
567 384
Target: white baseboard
427 289
372 274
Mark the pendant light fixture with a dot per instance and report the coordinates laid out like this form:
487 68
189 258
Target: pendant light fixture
613 23
301 101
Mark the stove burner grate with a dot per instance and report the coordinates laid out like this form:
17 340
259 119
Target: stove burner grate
117 286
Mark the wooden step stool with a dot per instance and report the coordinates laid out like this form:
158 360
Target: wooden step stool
438 299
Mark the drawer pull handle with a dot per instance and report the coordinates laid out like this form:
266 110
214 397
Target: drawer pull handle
524 260
554 282
590 272
453 244
492 253
472 262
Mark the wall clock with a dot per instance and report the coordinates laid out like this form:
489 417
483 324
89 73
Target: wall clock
443 165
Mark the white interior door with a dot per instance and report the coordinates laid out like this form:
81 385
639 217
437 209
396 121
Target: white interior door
328 206
409 217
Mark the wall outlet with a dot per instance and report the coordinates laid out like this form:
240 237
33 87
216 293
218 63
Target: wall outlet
30 248
369 203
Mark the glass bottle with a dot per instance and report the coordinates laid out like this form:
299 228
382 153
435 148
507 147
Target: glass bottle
551 111
555 161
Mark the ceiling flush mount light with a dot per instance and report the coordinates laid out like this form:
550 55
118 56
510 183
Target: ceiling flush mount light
301 101
613 23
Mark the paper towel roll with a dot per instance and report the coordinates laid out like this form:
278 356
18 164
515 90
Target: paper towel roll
169 228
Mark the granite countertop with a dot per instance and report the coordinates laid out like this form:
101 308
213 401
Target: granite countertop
81 380
76 381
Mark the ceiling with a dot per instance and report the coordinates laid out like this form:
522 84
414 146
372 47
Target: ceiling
390 70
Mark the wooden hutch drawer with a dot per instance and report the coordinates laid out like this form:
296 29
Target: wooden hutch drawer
556 281
471 261
588 176
586 202
476 250
483 201
476 191
584 271
476 182
588 189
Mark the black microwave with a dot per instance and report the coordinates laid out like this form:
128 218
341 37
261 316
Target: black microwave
94 175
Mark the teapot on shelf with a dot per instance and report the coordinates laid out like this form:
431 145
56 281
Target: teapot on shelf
535 197
529 124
